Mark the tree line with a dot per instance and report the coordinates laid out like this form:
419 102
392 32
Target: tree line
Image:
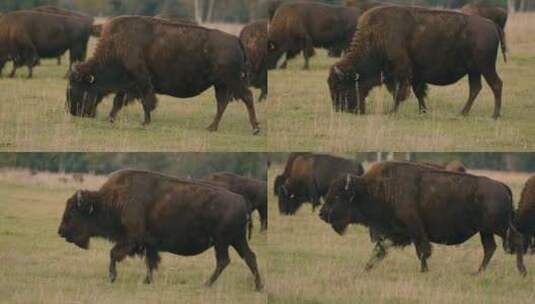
213 10
179 164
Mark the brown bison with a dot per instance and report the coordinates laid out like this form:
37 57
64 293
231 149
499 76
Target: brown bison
254 38
493 12
408 203
307 177
525 214
301 26
27 36
144 213
253 190
402 46
139 57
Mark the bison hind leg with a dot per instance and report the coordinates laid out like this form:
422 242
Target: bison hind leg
489 247
222 261
242 247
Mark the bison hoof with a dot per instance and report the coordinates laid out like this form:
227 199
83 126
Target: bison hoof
259 287
147 281
211 128
256 131
113 277
495 116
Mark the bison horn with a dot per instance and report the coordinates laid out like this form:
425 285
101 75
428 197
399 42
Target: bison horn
338 72
79 198
91 79
348 181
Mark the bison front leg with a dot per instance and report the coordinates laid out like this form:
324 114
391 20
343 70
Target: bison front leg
119 101
242 247
247 98
149 102
152 259
222 261
378 254
117 254
263 212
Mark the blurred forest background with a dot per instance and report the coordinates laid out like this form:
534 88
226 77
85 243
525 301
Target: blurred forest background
239 11
519 162
179 164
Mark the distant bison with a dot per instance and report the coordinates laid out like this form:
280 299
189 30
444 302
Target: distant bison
525 215
301 26
402 46
253 190
307 177
408 203
144 213
139 57
254 38
27 36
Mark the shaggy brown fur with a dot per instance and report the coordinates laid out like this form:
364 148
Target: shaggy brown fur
408 203
144 213
525 214
402 46
139 57
253 190
254 38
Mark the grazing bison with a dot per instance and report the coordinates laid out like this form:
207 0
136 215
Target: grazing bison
307 177
253 190
408 203
399 46
138 57
27 36
525 215
144 213
254 38
301 26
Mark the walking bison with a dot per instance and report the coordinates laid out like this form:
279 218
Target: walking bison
401 46
254 38
408 203
27 36
144 213
138 57
307 177
301 26
253 190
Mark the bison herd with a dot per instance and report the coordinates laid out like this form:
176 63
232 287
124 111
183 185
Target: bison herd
404 203
402 47
138 57
144 213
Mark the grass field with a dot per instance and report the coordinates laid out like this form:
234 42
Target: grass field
37 266
33 117
301 117
309 263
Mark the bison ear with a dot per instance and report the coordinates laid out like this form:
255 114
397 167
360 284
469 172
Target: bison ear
83 203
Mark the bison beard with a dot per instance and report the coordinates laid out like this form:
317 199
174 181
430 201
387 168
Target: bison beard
175 59
404 203
144 213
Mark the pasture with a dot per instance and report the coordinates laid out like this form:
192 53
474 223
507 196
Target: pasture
40 267
301 116
310 263
33 117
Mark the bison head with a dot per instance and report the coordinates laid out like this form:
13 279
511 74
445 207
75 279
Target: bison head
343 86
82 94
341 203
289 202
78 218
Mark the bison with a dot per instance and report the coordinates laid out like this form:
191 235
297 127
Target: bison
408 203
492 12
525 214
27 36
138 57
402 46
254 38
144 213
253 190
301 26
307 177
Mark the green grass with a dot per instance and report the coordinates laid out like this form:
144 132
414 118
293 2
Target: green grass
301 115
33 117
37 266
310 263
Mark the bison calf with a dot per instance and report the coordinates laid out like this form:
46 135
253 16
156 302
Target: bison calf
144 213
138 57
407 203
401 46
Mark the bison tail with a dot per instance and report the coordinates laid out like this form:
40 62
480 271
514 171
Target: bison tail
503 42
